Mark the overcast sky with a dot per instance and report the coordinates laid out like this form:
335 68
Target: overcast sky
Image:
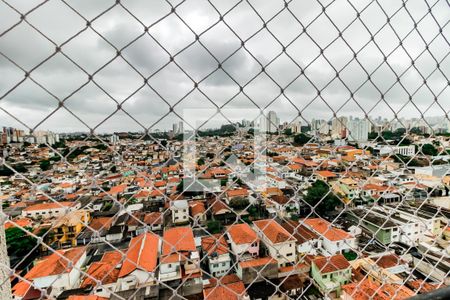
93 48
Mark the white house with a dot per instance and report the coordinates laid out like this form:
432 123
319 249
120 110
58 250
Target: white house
243 241
179 254
139 267
180 211
216 251
307 241
279 242
334 240
50 209
60 271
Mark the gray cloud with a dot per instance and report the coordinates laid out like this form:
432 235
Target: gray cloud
90 51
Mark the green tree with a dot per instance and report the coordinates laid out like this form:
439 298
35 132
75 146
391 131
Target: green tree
301 139
239 203
200 162
318 194
288 131
45 165
214 226
18 241
429 149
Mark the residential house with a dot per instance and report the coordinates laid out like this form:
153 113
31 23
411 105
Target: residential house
329 274
307 241
198 212
236 195
60 271
139 268
66 228
50 209
154 221
278 241
334 240
102 276
257 269
179 254
180 211
229 287
244 241
217 253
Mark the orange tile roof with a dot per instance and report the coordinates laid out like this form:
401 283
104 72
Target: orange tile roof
161 183
87 297
101 222
326 229
231 291
171 258
274 231
257 262
142 253
242 234
331 264
215 243
49 205
299 231
326 174
23 222
376 187
237 193
56 263
141 194
372 290
197 207
422 286
117 189
104 270
388 261
153 218
178 239
21 289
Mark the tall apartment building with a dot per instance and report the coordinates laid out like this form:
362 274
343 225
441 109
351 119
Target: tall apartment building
358 130
339 127
320 127
273 122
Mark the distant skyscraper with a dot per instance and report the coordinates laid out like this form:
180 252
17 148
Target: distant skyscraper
339 127
273 122
320 127
296 126
358 130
